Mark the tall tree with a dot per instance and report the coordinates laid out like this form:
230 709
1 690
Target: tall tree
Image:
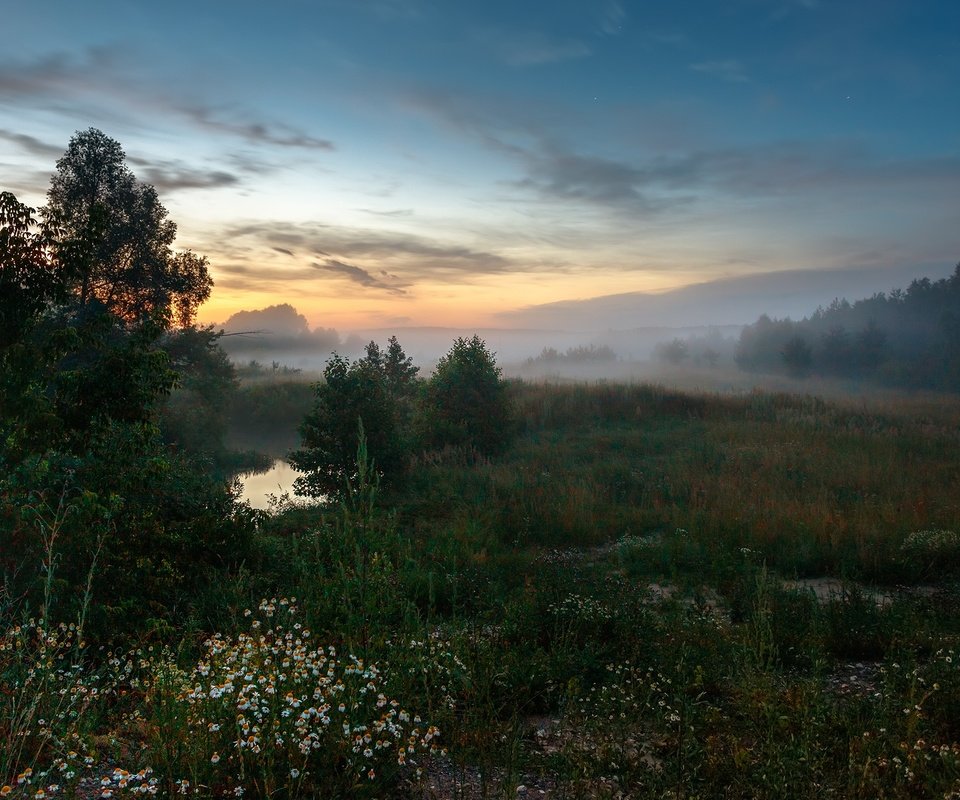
398 368
113 240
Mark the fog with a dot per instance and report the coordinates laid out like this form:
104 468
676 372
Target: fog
518 352
898 339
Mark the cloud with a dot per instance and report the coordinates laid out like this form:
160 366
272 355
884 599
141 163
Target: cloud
788 168
408 257
396 212
550 169
557 172
563 175
729 70
101 73
521 50
53 72
169 177
254 132
32 145
358 275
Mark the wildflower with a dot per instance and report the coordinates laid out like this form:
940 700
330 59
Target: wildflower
5 790
215 758
294 773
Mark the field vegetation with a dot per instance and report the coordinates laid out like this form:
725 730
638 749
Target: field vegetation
613 606
504 589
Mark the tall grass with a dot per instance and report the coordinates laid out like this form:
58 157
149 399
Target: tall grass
600 612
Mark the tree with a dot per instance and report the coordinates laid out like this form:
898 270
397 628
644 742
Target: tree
112 240
673 351
836 351
88 299
871 346
398 369
349 396
28 282
797 356
465 402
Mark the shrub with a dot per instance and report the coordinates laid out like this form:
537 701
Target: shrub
465 402
350 395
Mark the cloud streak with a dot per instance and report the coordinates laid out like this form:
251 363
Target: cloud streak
412 257
31 144
558 173
360 276
53 79
274 134
171 176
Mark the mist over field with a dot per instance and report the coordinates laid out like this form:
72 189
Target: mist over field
686 337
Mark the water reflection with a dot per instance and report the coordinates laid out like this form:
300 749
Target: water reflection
276 481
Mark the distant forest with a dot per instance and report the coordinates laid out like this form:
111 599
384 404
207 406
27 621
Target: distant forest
908 338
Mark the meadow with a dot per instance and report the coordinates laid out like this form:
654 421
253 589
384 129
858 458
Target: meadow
651 593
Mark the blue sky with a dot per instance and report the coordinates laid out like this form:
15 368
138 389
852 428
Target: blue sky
390 162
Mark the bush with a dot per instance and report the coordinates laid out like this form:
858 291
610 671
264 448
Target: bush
351 395
465 403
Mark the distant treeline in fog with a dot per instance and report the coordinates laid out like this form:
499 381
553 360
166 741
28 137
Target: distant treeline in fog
573 355
908 338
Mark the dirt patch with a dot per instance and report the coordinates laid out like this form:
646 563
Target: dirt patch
829 590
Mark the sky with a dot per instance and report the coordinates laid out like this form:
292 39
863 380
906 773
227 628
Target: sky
383 163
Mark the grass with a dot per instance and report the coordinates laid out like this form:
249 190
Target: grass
603 611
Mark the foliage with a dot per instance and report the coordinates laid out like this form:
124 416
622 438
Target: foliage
27 279
195 416
797 356
351 395
272 712
265 414
572 355
465 402
906 338
601 609
112 241
89 355
673 352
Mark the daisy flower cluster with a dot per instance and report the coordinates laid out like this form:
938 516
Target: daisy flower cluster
620 729
278 712
582 608
628 692
47 701
432 670
916 745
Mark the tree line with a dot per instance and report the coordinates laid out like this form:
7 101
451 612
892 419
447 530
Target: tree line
908 338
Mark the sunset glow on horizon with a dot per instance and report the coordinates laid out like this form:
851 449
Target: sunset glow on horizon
391 163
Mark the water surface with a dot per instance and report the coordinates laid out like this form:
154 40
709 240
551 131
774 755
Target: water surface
257 486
